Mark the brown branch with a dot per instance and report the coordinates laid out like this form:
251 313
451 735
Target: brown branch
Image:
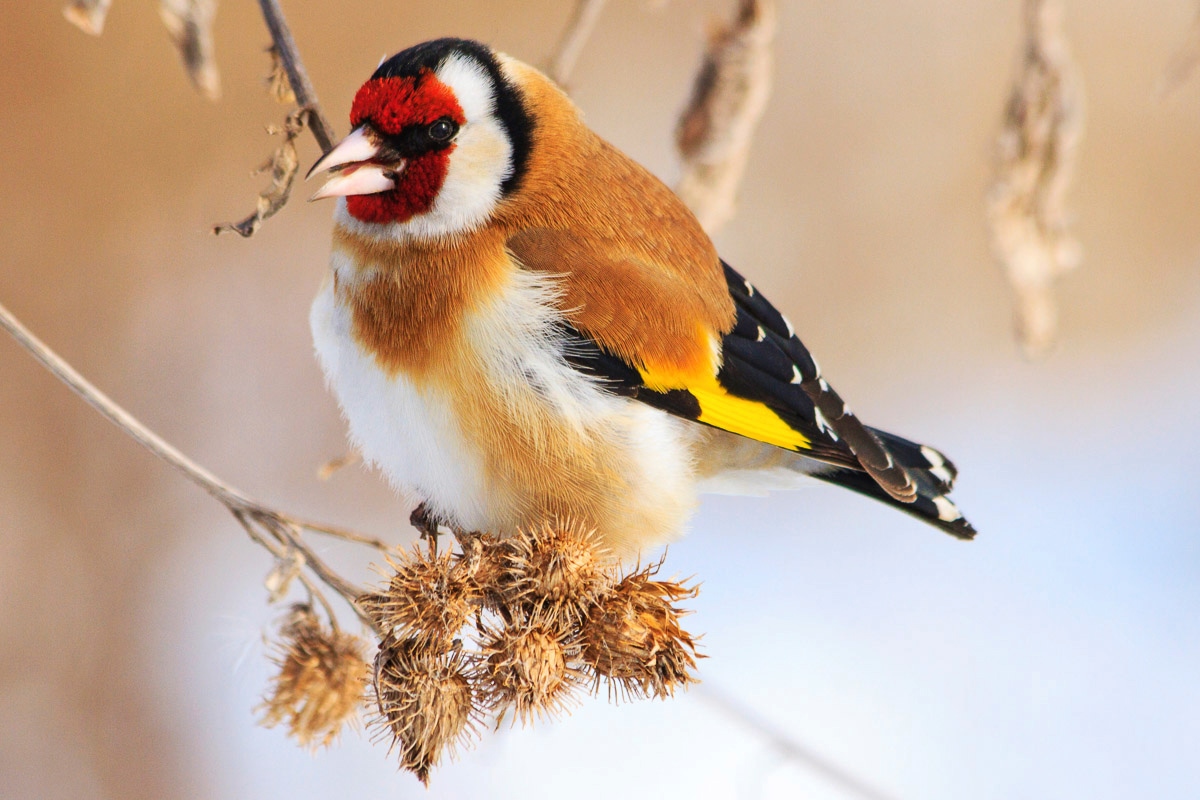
306 95
283 165
582 23
283 528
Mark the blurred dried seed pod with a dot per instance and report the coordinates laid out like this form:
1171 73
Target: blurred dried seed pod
321 680
428 597
632 637
527 667
425 701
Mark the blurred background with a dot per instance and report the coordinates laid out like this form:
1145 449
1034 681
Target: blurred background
1056 656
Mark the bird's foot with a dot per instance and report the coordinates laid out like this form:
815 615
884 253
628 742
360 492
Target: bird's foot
427 523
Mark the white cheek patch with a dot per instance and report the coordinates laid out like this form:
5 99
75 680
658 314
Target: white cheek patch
479 164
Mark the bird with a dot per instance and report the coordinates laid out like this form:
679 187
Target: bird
523 326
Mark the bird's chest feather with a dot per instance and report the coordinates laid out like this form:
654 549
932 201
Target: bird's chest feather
481 414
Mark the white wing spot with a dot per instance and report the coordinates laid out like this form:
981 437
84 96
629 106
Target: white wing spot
749 288
932 456
823 424
947 511
797 378
762 335
791 330
937 464
824 385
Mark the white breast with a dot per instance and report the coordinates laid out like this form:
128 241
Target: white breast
412 435
407 433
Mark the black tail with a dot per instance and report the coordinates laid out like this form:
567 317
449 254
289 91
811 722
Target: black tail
933 473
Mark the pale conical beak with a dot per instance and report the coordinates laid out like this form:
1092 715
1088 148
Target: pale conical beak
353 170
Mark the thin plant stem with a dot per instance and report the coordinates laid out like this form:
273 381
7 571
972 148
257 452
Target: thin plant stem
285 530
583 21
787 747
306 95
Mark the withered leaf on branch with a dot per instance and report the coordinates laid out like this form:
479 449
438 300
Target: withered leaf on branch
189 22
1043 122
729 97
87 15
283 166
278 85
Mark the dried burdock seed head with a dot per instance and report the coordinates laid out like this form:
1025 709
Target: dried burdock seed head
321 680
527 667
425 701
429 597
561 568
633 638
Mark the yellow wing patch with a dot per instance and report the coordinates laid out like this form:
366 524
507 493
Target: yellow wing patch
729 412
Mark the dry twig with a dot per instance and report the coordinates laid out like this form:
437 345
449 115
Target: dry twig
284 48
729 97
190 24
575 36
283 166
1036 154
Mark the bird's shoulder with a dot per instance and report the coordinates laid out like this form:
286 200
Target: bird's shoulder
637 271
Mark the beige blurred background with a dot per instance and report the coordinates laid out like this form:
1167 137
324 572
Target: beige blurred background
1054 657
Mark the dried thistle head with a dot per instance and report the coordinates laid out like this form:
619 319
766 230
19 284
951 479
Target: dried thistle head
561 568
428 597
633 639
426 704
321 680
527 666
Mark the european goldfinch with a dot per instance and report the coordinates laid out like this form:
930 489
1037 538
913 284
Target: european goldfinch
522 325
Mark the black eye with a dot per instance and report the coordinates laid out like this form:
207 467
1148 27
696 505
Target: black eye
443 129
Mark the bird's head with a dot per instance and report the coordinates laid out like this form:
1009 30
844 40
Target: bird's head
440 136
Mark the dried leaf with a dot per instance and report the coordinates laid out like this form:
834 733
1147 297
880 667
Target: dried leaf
189 22
283 166
87 15
280 578
729 97
278 85
1036 152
